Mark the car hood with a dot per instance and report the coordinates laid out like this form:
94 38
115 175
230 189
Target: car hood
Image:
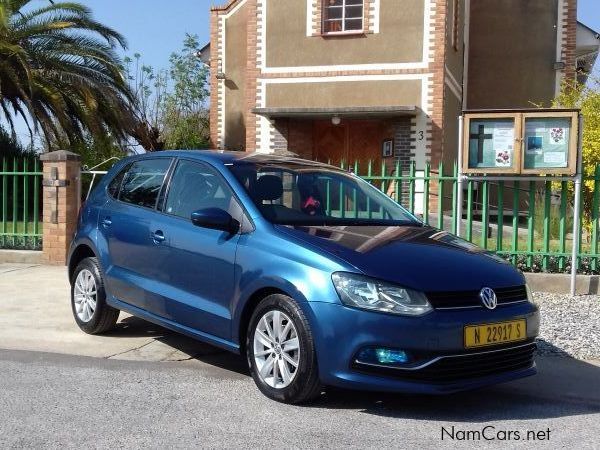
417 257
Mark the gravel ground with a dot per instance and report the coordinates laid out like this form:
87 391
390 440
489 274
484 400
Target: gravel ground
570 325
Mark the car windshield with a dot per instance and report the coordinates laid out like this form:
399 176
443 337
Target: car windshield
309 194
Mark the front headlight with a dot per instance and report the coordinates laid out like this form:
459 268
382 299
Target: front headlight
367 293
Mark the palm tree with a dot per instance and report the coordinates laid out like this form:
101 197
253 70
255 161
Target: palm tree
59 71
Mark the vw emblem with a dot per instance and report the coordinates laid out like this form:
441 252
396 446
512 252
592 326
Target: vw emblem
488 298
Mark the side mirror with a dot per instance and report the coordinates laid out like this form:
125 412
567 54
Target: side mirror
215 219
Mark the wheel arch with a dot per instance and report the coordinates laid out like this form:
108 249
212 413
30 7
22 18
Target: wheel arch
81 251
255 298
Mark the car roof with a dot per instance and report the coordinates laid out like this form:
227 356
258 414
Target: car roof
234 158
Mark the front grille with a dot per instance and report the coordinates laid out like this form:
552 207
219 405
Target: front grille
466 366
470 299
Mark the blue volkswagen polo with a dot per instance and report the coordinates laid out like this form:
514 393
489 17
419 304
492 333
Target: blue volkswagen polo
316 276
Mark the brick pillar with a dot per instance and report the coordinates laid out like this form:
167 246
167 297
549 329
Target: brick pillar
216 51
253 41
61 200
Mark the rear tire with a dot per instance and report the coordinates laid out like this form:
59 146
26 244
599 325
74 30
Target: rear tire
281 351
88 299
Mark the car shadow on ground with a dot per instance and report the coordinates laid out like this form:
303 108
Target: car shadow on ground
134 327
564 386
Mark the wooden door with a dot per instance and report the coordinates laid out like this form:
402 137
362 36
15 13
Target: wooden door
365 138
350 141
331 142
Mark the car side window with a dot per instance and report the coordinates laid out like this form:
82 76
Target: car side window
196 186
115 185
142 182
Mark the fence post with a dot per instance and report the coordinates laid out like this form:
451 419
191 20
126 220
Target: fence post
577 209
61 199
459 177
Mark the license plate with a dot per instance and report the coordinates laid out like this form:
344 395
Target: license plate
495 333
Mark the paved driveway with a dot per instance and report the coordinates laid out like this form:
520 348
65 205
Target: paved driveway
35 314
144 386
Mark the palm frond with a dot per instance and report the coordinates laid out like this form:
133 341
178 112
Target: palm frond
58 66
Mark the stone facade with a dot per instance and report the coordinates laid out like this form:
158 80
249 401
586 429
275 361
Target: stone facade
286 47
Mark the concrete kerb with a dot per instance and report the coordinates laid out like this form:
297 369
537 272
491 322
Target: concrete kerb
559 283
21 256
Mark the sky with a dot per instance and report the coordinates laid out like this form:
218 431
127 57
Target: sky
156 28
588 12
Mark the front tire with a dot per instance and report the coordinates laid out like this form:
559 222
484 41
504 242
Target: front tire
88 299
281 352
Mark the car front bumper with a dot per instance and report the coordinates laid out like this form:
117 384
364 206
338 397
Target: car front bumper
438 363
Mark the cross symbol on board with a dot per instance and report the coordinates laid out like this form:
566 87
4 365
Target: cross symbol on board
481 137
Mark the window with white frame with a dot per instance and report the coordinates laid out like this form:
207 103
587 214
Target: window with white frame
340 16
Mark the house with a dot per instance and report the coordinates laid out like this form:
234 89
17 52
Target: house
381 80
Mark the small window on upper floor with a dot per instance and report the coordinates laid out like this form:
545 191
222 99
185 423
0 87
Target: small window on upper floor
341 16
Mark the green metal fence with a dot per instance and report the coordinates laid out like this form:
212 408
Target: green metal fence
528 222
21 213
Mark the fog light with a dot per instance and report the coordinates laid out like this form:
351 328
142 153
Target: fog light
382 356
387 356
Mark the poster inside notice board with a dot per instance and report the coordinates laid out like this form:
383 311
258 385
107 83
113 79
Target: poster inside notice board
492 143
546 142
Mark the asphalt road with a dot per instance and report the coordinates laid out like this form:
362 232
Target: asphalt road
141 386
64 401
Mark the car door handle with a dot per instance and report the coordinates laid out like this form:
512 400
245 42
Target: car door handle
158 237
106 222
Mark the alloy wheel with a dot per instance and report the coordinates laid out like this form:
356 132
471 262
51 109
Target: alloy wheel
84 294
276 349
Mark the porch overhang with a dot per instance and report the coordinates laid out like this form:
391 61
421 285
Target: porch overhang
342 112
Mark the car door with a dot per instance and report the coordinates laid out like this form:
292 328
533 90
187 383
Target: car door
197 264
125 225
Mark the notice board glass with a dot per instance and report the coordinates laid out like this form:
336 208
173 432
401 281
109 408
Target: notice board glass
520 142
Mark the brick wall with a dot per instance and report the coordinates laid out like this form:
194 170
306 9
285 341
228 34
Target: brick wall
215 51
569 38
61 201
296 136
317 22
436 66
252 72
300 140
404 147
403 141
279 136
